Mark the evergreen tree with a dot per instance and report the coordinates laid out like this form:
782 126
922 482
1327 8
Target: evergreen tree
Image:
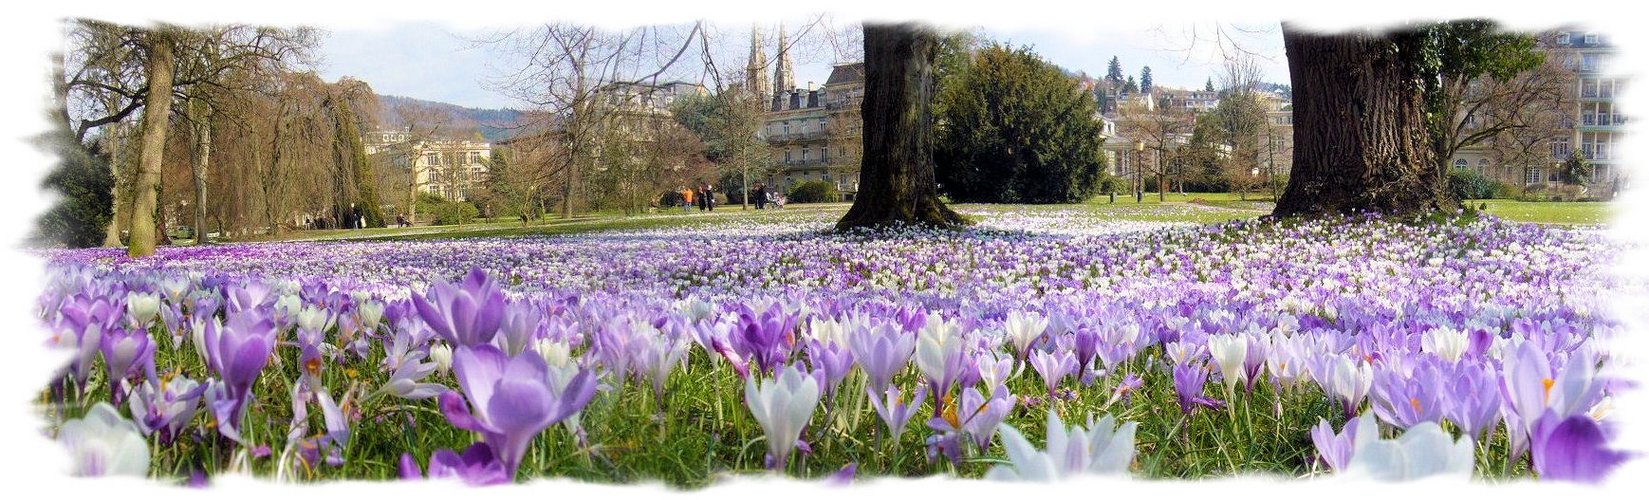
1145 80
1130 86
1114 73
83 179
1209 87
1014 129
1574 171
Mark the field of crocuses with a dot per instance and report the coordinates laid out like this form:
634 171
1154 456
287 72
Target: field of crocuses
1041 344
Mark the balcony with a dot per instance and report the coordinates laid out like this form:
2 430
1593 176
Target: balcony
1602 120
798 136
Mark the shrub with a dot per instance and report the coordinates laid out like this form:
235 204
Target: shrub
813 192
1012 128
1470 185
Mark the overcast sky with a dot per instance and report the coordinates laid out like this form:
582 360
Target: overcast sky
438 62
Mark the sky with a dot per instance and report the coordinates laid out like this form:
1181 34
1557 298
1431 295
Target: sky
441 62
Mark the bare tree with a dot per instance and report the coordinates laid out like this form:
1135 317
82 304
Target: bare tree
1162 130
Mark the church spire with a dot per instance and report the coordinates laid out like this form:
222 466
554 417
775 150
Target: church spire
784 77
755 72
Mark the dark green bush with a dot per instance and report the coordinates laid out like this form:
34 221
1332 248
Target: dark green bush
813 192
1470 185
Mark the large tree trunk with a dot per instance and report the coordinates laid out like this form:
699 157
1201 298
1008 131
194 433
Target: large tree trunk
156 108
1360 138
896 176
200 116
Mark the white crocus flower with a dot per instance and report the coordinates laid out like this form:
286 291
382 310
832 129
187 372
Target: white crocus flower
314 319
142 308
554 353
1229 351
288 305
1422 451
104 444
782 406
1024 327
827 331
371 313
1102 448
936 344
441 354
1446 343
1350 379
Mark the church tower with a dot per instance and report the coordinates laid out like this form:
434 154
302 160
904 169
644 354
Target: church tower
784 76
755 72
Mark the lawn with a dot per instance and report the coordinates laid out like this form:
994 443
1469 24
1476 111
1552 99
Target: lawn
1549 212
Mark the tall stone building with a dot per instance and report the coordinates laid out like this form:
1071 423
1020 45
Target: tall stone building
1592 123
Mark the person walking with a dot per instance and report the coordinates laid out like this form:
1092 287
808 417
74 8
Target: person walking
699 198
761 196
710 197
686 199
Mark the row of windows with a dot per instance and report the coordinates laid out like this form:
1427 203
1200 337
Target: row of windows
824 154
784 128
435 159
1566 39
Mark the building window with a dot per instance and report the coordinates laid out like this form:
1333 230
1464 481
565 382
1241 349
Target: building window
822 124
1460 163
786 157
1591 39
432 159
1563 39
1483 166
1560 148
787 127
804 154
1532 176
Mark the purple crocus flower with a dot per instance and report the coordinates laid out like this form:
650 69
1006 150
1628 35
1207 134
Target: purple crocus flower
895 412
519 327
125 350
1407 399
882 351
1053 367
510 399
1574 449
238 351
1125 389
1333 449
835 360
167 409
478 466
1471 398
1188 382
463 315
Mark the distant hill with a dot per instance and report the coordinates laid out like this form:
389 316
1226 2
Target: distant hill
493 124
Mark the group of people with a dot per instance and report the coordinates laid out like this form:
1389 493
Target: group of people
704 197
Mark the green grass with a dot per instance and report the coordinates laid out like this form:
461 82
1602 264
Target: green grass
1549 212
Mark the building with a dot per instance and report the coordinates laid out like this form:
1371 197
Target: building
1593 125
444 167
813 133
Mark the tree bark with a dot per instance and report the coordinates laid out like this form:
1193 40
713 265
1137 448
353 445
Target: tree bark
200 116
1360 137
156 108
116 132
896 176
